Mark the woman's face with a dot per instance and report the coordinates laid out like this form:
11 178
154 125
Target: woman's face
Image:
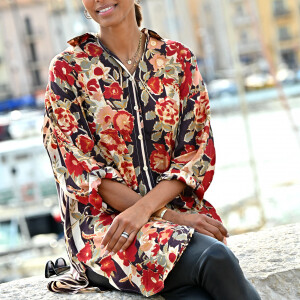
110 12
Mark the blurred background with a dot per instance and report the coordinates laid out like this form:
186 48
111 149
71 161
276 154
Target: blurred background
249 55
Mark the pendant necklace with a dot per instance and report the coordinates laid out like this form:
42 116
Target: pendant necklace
130 60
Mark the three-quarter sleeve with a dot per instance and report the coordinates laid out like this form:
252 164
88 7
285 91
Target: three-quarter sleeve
193 158
76 159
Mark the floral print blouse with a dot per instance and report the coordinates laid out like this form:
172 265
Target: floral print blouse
103 122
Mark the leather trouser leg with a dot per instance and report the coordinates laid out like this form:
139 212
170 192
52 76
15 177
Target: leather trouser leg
207 270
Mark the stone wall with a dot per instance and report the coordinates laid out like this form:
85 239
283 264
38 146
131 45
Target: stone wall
270 259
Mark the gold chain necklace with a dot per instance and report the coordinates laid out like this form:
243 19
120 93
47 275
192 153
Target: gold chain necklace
130 60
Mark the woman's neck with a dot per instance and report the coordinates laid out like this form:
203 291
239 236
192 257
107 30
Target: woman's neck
122 40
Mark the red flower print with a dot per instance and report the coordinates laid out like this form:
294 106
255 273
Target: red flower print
167 81
188 149
107 265
177 48
92 86
85 143
158 61
129 255
164 236
208 208
172 257
210 151
85 254
155 84
104 117
128 173
95 199
151 281
172 48
63 71
73 165
167 110
93 50
105 219
98 71
169 141
82 199
208 177
151 266
200 112
112 142
66 121
124 123
155 250
95 212
92 127
187 82
159 159
113 91
81 55
154 44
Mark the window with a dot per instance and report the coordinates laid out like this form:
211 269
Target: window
283 33
280 7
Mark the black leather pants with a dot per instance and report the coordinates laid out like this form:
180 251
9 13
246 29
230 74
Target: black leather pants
207 270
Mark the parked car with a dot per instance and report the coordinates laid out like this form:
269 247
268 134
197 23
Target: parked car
222 87
286 76
259 81
25 123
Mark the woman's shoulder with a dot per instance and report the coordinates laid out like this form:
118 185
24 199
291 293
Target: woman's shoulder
80 48
171 47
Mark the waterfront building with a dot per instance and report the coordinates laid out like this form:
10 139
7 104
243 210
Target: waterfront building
280 29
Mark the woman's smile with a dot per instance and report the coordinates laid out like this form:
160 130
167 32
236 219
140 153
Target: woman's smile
106 9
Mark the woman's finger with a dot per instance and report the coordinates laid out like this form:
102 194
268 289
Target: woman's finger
214 231
129 241
219 225
121 243
109 234
115 239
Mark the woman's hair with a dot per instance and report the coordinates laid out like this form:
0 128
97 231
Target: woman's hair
138 14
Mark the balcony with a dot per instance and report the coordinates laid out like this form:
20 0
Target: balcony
281 12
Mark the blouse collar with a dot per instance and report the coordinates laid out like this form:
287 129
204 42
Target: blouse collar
93 38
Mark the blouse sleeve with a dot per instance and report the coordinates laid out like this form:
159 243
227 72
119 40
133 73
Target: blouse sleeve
193 158
76 160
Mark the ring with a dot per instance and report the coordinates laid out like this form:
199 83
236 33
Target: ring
125 235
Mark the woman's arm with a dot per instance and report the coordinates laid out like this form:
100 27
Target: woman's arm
136 211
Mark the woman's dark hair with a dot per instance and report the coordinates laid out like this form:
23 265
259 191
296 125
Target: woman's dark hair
138 14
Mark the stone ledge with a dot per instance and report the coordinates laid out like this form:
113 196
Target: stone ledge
270 259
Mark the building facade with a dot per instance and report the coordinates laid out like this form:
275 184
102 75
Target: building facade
280 29
32 33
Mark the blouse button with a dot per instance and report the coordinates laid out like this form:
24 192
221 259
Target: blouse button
131 78
140 137
145 168
136 108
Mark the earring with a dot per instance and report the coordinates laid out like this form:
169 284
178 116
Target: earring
86 14
138 1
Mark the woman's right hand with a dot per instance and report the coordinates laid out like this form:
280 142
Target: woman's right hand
206 225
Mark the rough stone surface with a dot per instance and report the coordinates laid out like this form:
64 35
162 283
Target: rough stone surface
270 259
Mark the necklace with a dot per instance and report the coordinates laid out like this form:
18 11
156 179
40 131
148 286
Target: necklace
130 60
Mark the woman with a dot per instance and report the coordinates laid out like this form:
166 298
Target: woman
127 130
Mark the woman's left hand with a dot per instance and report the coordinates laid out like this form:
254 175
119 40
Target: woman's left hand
130 221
